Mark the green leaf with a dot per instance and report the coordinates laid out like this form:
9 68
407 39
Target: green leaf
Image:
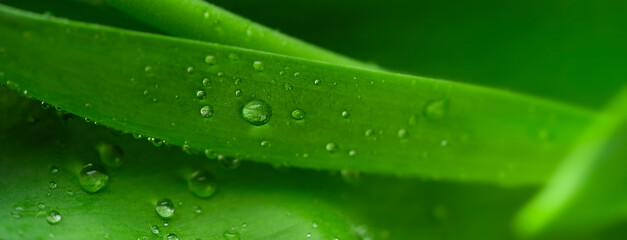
197 19
355 119
587 191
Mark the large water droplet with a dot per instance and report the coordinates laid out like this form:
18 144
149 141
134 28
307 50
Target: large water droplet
53 217
206 111
165 208
93 178
435 110
331 147
110 155
203 184
258 66
298 114
256 112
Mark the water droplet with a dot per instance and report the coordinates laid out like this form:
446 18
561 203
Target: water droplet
201 94
206 111
190 69
288 86
211 154
198 209
444 143
435 110
45 105
210 59
203 184
297 74
238 92
265 144
154 229
331 147
155 141
237 81
70 192
256 112
110 155
228 162
258 66
93 178
172 236
137 136
41 205
298 114
206 82
53 217
52 185
148 68
402 133
352 153
165 208
314 225
220 74
186 148
231 235
345 114
317 82
281 73
54 169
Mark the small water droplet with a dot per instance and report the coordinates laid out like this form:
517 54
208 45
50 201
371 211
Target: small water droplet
93 178
258 66
70 192
154 229
402 133
331 147
198 209
206 82
297 74
165 208
238 92
210 59
172 236
231 235
190 69
298 114
148 68
110 155
41 205
317 82
45 105
203 184
52 185
206 111
315 225
444 143
265 144
211 154
256 112
220 74
436 110
137 136
281 73
308 235
54 169
53 217
155 141
201 94
228 162
288 86
345 114
237 81
352 153
186 148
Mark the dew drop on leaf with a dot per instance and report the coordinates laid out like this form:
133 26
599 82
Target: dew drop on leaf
228 162
190 69
110 155
44 105
52 185
331 147
165 208
402 133
206 82
172 236
256 112
230 235
53 217
210 59
203 184
93 178
435 110
211 154
154 229
317 82
298 114
345 114
201 94
238 92
258 66
206 111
